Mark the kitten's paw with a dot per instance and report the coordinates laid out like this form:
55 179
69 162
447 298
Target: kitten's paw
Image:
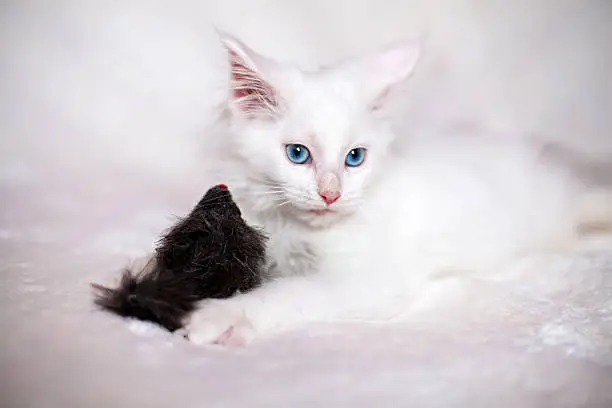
222 322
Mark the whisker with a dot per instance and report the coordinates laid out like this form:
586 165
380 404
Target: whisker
283 203
270 192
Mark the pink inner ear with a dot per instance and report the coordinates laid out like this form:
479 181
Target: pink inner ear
380 100
240 73
249 90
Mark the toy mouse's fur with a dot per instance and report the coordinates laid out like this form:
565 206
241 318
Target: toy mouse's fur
212 253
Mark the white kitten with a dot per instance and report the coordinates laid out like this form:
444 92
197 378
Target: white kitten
357 228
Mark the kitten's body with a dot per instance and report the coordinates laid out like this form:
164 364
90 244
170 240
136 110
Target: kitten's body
466 203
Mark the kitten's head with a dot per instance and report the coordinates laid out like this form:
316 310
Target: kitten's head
312 142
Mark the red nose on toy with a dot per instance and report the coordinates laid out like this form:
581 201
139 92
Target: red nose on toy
223 186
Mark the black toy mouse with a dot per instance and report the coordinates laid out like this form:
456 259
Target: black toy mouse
212 253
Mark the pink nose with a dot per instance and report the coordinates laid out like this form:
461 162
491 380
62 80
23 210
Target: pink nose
330 197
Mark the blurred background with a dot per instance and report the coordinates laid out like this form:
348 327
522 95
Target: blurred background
105 107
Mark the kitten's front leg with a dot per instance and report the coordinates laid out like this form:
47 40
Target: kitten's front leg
275 306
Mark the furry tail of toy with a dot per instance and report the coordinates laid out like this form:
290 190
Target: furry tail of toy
148 295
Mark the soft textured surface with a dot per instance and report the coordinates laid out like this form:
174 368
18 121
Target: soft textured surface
105 110
528 350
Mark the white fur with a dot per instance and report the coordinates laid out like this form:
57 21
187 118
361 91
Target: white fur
468 202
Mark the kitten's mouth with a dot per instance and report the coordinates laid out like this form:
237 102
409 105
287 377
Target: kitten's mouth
322 211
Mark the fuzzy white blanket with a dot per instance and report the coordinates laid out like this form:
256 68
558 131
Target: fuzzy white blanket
545 343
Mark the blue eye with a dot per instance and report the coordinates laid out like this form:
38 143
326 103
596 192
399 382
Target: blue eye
355 157
297 153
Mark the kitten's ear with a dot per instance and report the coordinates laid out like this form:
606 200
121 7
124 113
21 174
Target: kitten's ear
251 94
388 67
